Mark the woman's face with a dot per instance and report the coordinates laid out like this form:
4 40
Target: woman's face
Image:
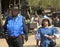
45 23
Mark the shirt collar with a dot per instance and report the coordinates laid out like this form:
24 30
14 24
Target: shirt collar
49 26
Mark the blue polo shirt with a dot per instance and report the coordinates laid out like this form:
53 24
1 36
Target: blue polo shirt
15 26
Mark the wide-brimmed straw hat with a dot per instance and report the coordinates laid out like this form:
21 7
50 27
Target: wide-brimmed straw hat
48 19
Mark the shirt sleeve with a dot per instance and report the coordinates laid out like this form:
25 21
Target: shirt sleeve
25 28
38 30
38 34
5 29
55 30
5 25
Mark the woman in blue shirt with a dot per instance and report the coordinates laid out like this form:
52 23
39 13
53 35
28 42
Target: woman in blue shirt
46 33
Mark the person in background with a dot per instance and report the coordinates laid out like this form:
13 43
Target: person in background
56 21
32 18
7 13
16 28
45 15
47 33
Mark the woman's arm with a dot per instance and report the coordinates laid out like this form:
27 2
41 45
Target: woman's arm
55 33
37 37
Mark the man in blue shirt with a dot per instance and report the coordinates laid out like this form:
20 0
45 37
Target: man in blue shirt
17 29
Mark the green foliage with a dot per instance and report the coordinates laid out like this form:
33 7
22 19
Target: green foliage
33 3
44 3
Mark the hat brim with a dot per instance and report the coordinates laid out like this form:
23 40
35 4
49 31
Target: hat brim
46 18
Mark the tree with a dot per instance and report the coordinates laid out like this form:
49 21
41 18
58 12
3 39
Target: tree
44 3
33 3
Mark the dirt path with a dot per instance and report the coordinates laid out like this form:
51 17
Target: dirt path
31 42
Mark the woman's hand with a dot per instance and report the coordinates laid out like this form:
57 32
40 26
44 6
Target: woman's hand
51 37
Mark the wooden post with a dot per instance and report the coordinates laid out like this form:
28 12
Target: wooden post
19 7
19 4
14 2
0 6
0 14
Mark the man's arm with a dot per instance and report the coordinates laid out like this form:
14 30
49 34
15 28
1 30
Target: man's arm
25 29
5 29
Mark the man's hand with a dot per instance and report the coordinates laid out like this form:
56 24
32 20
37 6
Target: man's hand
26 39
23 36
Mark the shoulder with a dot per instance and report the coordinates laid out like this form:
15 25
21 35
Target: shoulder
8 18
53 28
40 28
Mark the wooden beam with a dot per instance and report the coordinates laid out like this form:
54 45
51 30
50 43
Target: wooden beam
0 6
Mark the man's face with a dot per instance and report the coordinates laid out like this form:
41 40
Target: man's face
15 12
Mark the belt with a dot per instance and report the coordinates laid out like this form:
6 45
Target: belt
15 37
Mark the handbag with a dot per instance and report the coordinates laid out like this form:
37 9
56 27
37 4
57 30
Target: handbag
52 44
